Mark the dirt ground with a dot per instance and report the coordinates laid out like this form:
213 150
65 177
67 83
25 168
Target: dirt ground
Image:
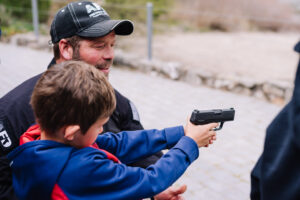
256 55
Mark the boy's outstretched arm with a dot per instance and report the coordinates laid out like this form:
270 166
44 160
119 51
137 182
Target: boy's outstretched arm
130 146
125 182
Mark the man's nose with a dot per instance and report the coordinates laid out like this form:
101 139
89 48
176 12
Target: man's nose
109 53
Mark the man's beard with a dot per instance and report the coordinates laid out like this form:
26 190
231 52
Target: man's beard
105 65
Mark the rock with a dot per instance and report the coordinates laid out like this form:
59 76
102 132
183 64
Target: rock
192 78
241 89
30 40
258 93
273 90
288 94
173 70
224 84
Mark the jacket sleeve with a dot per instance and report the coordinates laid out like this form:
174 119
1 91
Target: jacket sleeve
109 180
131 146
255 181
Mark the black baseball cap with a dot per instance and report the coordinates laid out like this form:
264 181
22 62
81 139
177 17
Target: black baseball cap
86 19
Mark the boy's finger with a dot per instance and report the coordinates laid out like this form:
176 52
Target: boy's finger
179 190
212 134
212 125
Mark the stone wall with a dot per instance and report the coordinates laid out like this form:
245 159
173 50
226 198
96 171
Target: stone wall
278 92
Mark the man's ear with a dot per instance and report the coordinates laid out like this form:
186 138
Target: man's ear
70 131
65 49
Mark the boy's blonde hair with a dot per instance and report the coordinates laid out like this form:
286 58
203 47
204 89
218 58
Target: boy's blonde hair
72 93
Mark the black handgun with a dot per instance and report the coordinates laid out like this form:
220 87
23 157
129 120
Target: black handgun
200 117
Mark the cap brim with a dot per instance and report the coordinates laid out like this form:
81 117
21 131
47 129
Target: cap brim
121 27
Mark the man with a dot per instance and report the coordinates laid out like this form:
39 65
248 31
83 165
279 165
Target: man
79 31
276 174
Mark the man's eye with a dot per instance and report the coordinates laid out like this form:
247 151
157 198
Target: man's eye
100 47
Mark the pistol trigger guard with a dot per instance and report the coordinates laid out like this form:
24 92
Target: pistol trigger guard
219 128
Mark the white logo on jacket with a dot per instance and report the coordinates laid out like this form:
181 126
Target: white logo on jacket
4 138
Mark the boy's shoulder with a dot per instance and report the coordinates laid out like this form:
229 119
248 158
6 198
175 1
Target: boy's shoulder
93 154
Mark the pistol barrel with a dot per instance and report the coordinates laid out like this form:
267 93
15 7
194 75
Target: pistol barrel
200 117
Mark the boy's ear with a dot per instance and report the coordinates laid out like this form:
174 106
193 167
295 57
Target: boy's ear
66 50
70 131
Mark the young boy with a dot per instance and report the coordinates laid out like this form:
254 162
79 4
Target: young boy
63 157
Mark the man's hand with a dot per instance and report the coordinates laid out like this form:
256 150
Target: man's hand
172 193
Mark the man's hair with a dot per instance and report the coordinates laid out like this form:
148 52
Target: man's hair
72 93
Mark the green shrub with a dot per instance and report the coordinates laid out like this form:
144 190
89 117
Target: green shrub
21 9
136 9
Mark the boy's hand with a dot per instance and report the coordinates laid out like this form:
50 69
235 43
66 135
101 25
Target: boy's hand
203 135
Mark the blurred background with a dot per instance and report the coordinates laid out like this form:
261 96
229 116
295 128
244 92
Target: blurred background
188 15
193 54
235 45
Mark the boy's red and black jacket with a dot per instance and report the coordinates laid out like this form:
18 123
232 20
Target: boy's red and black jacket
44 169
33 134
